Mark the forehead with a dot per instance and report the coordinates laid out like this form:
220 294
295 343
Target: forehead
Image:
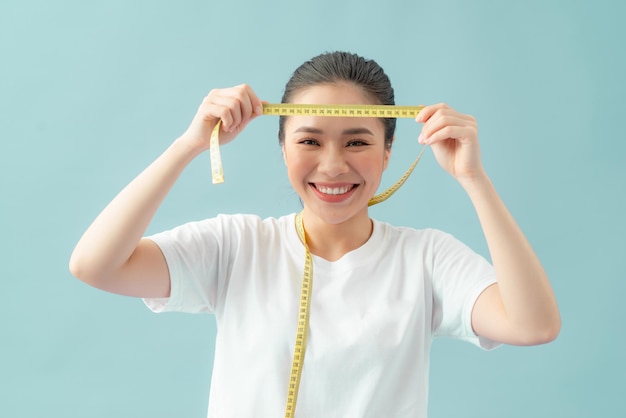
336 93
333 93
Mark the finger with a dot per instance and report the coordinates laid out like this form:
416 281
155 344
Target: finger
214 112
242 94
443 118
250 105
440 120
229 109
462 134
217 104
257 104
428 111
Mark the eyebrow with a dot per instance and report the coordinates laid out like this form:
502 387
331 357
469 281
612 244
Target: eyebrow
349 131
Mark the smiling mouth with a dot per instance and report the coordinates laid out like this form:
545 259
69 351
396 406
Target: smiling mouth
334 191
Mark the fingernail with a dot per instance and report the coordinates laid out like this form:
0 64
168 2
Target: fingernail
421 138
259 110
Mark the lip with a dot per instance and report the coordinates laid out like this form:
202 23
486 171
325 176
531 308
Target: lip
333 198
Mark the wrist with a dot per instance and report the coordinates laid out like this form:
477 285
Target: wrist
476 184
187 148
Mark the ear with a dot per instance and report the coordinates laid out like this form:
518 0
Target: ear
282 147
387 154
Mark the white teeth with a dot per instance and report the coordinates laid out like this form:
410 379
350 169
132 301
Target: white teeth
333 190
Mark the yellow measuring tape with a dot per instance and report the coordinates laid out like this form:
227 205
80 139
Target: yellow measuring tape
288 109
303 323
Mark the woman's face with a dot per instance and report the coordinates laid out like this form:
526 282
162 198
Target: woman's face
334 163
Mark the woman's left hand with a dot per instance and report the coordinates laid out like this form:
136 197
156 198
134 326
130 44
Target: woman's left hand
453 137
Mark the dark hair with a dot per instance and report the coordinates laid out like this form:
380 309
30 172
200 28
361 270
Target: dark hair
333 67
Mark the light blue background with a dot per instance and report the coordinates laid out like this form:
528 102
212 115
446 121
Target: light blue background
91 92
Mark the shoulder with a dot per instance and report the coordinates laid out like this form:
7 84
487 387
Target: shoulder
223 228
235 222
429 245
395 235
255 224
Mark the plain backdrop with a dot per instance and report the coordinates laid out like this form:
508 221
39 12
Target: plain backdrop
91 92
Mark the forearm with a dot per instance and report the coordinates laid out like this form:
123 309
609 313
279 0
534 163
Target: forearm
527 297
113 236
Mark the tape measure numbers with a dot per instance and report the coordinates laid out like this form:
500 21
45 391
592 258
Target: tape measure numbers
358 111
289 109
303 323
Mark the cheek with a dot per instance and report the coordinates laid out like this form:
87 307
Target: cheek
376 162
296 166
370 169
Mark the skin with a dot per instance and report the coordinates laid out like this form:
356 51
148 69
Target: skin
327 152
322 153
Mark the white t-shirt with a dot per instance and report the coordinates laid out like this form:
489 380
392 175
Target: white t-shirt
373 314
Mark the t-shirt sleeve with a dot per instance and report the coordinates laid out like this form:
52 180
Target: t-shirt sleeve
459 276
197 256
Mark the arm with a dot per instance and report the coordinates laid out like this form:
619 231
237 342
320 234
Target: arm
111 254
521 308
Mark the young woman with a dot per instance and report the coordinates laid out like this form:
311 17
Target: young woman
380 293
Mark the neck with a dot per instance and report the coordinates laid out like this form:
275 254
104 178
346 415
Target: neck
333 241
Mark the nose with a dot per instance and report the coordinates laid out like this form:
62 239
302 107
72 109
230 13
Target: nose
333 162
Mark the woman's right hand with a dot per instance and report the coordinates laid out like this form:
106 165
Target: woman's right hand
234 106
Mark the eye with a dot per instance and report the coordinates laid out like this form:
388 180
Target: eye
357 143
308 141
